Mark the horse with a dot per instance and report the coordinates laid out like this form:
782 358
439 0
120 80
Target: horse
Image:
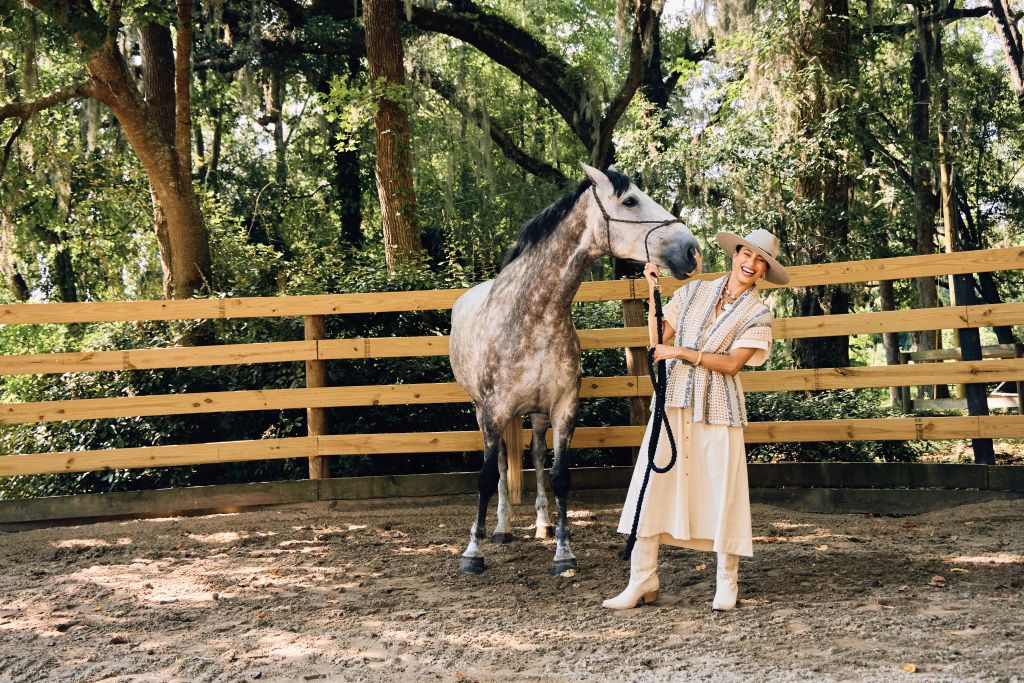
514 348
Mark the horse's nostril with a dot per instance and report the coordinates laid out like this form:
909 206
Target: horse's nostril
692 252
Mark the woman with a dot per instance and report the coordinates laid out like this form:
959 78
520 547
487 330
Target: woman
703 502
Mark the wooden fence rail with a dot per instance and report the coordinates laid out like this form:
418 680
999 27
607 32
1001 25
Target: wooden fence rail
316 350
909 320
886 429
1008 258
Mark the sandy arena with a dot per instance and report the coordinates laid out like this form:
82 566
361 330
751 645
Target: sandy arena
311 593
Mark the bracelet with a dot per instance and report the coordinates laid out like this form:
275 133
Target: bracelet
700 357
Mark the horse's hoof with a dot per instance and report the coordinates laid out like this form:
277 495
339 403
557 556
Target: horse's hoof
562 567
545 531
503 537
472 565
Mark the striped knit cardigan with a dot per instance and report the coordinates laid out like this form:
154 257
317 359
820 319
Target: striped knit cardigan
716 398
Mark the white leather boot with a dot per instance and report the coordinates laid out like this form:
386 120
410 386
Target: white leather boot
728 579
643 578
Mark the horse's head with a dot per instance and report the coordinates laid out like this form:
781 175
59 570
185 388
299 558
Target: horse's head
628 224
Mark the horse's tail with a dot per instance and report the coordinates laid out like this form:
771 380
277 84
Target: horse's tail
514 446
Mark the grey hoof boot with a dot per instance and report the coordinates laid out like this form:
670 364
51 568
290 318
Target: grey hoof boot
472 565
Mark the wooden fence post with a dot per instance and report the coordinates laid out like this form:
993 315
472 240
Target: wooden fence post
1018 352
636 365
970 349
316 376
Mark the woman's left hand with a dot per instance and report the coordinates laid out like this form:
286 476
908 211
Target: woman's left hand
666 352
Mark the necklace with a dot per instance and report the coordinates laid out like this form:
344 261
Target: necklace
727 298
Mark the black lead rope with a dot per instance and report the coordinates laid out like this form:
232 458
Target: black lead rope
660 383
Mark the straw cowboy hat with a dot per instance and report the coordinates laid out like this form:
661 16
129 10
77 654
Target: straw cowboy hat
764 243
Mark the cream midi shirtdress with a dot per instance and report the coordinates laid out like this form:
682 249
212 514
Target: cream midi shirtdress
704 501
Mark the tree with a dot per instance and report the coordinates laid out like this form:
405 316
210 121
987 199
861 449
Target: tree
393 163
156 122
823 183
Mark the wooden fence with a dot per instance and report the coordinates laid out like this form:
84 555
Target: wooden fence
315 350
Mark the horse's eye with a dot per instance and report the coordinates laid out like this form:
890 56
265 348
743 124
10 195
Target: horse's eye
630 202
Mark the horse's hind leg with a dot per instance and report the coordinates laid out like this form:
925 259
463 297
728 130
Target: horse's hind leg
503 530
540 423
564 423
472 560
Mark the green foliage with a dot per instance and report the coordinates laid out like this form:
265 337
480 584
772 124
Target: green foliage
827 405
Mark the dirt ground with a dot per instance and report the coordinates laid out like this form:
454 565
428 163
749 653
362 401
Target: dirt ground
311 593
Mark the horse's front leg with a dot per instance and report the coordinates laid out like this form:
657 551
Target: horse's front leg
472 560
560 482
540 423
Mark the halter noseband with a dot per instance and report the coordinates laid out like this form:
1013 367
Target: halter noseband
608 224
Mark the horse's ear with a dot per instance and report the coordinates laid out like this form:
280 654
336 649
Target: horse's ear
596 176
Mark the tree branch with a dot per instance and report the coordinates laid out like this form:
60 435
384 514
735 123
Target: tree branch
641 46
501 138
9 146
897 164
951 14
514 48
24 110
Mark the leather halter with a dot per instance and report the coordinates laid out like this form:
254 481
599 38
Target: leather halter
608 224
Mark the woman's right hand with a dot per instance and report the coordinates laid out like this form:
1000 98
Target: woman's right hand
651 274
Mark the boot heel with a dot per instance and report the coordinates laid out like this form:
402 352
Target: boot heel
649 598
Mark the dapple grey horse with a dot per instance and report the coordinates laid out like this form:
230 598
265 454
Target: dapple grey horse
514 348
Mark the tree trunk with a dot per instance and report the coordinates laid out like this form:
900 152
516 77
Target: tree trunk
274 99
347 185
926 203
891 340
1009 35
8 264
823 185
393 165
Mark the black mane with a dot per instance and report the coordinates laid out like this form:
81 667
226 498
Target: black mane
538 228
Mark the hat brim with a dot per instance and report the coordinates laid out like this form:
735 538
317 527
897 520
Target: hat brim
776 274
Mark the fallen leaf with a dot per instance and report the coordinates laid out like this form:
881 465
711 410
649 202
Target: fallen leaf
910 668
700 567
97 608
413 616
459 675
118 640
910 523
261 615
968 523
821 547
959 570
904 588
568 573
274 574
938 581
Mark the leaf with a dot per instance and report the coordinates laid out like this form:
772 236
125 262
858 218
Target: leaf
910 668
938 581
959 570
700 567
821 547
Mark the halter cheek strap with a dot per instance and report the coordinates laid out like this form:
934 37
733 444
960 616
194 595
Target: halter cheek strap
608 225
